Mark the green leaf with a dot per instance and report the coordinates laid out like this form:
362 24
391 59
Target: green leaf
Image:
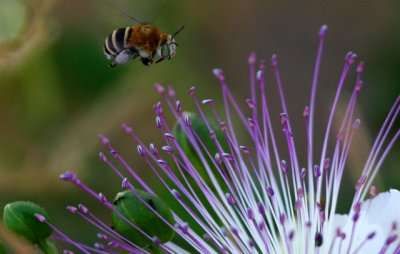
19 217
133 209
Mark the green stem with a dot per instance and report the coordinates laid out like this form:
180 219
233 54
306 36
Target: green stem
48 247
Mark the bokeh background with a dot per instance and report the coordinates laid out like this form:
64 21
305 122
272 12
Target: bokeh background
57 92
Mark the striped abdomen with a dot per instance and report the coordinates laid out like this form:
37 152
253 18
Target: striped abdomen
117 41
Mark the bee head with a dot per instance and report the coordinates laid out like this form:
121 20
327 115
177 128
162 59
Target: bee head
168 47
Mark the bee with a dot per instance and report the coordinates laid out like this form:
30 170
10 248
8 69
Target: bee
145 41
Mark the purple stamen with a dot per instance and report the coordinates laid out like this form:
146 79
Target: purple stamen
234 231
102 237
359 86
252 58
317 171
176 194
394 226
373 191
282 219
102 198
40 217
153 149
83 208
158 109
261 226
261 208
171 91
156 241
390 239
223 126
158 122
127 128
230 199
103 157
298 204
125 184
168 149
159 88
251 122
192 91
323 31
327 163
250 214
184 227
360 67
162 163
208 102
303 172
371 235
212 134
350 57
274 60
178 106
291 235
300 192
270 191
360 182
306 112
140 150
72 209
169 136
218 159
251 104
284 118
284 166
104 139
356 124
68 176
260 75
219 74
245 149
187 120
99 246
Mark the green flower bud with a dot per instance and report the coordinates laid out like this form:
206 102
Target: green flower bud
133 209
19 217
202 131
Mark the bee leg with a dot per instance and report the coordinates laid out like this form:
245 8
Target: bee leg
133 53
146 61
112 65
159 60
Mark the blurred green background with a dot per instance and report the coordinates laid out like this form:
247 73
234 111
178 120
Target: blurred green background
57 92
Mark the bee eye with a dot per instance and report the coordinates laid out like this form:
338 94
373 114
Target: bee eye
165 50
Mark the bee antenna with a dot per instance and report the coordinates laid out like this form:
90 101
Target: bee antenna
175 44
177 32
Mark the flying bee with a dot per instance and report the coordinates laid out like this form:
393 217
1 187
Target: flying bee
145 41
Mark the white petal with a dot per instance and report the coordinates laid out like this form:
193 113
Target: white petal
384 209
376 215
